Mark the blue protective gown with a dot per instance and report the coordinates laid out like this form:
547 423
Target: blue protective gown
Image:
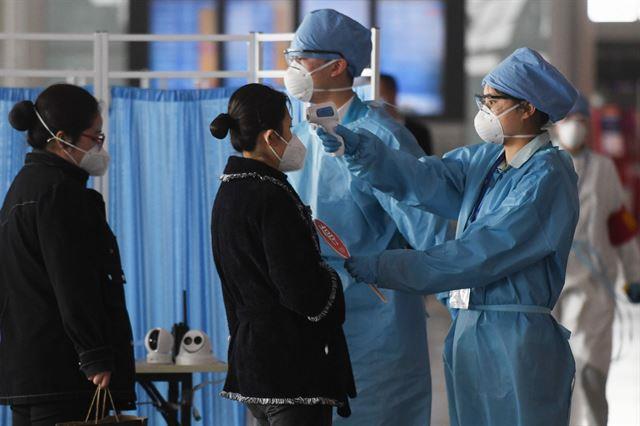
507 361
387 342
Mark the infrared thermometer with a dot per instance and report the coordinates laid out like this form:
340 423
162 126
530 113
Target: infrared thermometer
326 115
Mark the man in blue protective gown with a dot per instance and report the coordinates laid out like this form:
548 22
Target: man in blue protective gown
387 342
507 361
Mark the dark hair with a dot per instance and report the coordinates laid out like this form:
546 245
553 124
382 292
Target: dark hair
252 109
390 81
63 107
542 118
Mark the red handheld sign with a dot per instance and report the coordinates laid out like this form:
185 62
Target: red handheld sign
333 240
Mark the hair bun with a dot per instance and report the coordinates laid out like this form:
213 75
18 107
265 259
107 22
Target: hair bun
221 125
23 116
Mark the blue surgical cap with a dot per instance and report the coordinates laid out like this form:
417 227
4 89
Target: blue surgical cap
526 75
581 106
325 31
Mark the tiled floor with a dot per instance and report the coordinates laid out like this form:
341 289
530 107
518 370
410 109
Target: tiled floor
623 387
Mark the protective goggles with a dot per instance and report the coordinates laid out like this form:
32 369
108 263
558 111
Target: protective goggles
488 100
291 55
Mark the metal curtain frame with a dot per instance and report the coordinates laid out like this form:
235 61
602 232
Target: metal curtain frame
101 73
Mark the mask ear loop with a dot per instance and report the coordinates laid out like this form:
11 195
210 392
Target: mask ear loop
266 140
53 136
286 142
508 110
323 66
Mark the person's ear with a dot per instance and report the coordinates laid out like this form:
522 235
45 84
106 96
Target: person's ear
528 110
60 135
269 137
339 67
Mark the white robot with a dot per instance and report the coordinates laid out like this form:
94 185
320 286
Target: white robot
159 344
195 349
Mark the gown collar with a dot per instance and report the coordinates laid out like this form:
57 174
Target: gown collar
527 151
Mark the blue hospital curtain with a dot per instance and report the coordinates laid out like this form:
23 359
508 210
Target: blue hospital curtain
13 148
163 179
162 183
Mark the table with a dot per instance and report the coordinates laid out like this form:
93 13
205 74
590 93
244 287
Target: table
180 380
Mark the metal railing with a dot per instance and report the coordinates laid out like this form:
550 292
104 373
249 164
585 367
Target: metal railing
101 74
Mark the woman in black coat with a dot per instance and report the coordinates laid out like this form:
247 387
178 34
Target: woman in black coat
64 327
288 359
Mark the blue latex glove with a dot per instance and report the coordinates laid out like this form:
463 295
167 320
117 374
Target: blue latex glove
633 292
331 144
363 268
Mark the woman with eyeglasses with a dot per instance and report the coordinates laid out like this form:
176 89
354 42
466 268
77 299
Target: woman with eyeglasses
64 327
515 197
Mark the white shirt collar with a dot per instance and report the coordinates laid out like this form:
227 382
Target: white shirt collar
527 151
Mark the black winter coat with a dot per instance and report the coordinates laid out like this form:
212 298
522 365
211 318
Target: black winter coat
62 308
284 304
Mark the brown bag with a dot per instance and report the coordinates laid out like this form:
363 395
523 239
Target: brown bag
100 402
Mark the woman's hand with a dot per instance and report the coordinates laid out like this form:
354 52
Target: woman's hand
101 379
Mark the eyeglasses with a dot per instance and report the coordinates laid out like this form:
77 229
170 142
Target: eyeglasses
98 139
294 55
488 100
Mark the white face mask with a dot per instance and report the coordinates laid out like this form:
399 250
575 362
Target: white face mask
95 161
489 128
571 134
299 83
294 154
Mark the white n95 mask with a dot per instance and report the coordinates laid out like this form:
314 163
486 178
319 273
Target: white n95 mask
299 83
294 154
489 128
572 133
95 161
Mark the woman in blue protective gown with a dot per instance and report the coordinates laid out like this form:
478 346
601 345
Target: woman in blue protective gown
507 361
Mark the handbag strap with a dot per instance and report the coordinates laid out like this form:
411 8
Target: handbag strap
96 401
115 410
93 400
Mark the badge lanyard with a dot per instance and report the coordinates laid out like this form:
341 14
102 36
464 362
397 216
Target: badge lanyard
485 187
459 299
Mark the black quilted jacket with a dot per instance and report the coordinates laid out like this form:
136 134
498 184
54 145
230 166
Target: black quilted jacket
62 308
284 304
